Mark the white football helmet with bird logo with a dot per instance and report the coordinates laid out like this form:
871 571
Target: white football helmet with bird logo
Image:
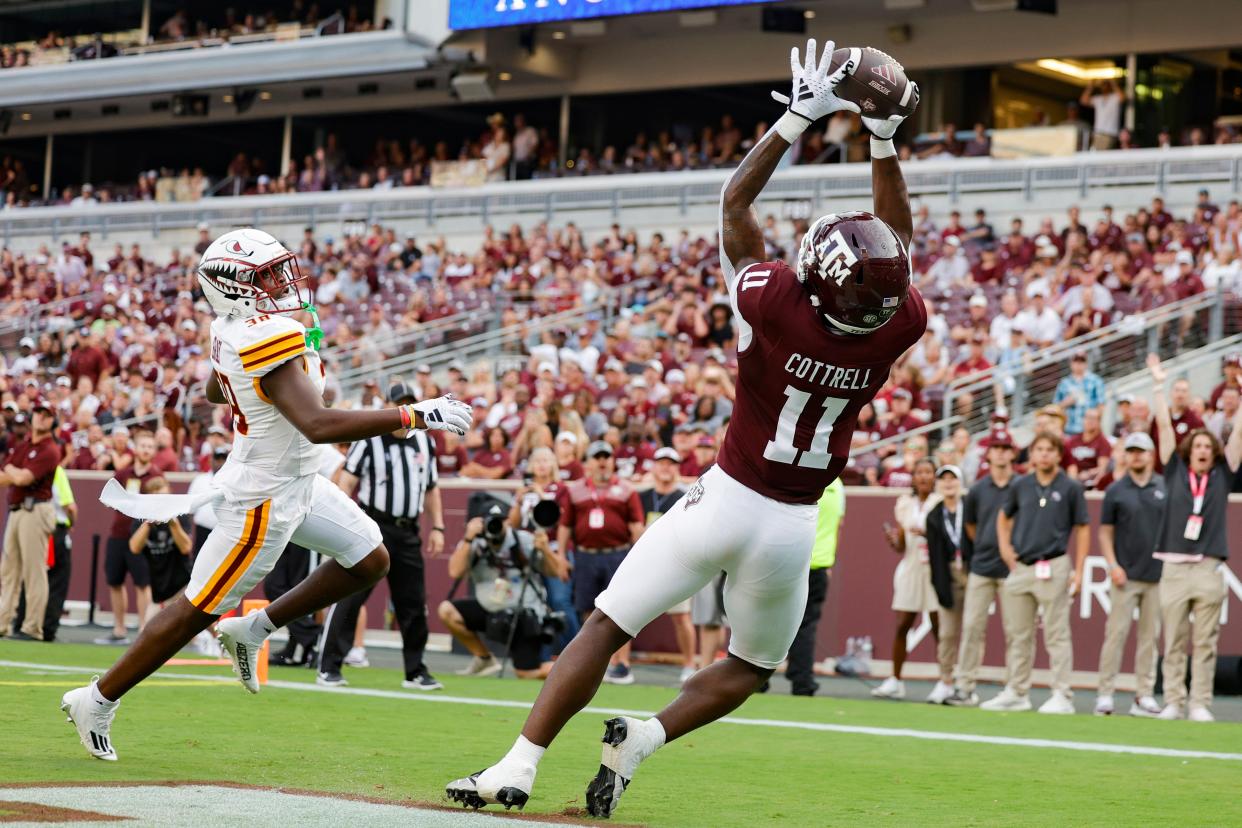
247 272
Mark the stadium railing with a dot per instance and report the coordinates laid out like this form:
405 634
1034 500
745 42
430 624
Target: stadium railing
1113 351
1201 367
671 193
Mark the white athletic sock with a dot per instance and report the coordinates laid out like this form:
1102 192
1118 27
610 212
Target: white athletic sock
260 626
526 751
98 697
657 732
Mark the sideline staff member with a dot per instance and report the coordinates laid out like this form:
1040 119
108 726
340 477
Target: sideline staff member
603 516
987 571
1193 544
1043 509
28 473
1129 525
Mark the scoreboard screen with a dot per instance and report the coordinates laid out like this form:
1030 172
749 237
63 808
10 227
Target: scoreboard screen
484 14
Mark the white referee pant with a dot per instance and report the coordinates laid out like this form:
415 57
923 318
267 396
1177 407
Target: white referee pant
762 545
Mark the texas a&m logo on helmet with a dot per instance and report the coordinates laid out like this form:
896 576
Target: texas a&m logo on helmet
855 270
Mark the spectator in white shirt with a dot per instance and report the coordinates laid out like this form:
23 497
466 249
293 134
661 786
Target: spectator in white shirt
525 143
1073 302
1005 321
1223 272
329 288
496 153
1040 323
952 268
1106 99
936 324
86 199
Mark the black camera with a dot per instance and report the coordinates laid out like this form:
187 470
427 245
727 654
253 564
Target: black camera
546 514
494 524
530 624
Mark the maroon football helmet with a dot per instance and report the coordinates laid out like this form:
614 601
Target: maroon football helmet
855 269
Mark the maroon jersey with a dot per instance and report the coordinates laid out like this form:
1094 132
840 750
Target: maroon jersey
800 386
1086 456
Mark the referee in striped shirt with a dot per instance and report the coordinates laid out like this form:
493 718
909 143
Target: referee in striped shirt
394 480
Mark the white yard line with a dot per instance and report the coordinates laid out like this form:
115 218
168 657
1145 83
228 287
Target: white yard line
891 732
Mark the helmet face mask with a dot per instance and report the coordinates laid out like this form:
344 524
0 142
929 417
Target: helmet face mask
855 270
248 272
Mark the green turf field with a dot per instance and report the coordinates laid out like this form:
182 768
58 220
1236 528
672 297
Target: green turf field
729 774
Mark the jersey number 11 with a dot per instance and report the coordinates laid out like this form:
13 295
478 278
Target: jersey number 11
781 448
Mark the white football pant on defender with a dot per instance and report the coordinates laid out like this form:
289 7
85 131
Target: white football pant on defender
763 546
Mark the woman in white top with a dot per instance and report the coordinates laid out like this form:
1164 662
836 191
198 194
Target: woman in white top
912 587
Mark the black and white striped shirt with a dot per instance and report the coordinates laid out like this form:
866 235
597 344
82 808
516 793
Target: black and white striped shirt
394 474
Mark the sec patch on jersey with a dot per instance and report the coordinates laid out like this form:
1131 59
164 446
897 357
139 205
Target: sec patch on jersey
878 84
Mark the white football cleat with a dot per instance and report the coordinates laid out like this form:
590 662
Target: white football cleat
92 719
1103 705
235 639
627 742
1007 701
1058 704
508 783
1170 712
890 688
940 693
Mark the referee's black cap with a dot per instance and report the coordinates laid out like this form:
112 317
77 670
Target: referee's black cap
399 391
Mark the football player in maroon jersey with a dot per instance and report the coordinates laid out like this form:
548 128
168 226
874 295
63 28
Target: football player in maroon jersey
815 344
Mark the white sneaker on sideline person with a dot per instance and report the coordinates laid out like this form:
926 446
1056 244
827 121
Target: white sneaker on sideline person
205 644
1104 705
940 693
891 688
92 719
1170 712
1199 713
1007 700
480 666
1145 707
357 657
686 673
1058 704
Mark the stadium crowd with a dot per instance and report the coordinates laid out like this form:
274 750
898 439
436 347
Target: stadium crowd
125 344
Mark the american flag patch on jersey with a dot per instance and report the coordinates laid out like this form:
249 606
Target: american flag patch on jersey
890 301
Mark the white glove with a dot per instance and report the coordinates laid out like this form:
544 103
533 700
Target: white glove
444 414
886 128
814 90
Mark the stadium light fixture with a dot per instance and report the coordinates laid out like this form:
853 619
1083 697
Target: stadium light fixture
26 116
1098 70
558 35
265 96
504 76
809 14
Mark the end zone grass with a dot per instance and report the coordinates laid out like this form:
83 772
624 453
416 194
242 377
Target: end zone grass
175 728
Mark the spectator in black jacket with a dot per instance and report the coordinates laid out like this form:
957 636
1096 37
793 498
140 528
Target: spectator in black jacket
946 540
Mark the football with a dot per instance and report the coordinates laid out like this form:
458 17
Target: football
878 84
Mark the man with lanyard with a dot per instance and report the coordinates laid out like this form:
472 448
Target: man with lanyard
800 669
945 541
58 563
394 478
602 516
662 496
1129 523
28 472
1033 529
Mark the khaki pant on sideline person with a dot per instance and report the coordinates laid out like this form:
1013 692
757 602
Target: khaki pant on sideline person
1197 588
1025 595
25 564
1146 597
950 627
981 591
1100 141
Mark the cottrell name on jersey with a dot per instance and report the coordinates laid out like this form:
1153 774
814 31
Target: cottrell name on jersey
828 376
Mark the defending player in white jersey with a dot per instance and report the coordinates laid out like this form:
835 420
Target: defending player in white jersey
815 344
266 368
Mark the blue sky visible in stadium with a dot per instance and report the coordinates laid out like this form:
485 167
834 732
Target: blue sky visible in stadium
481 14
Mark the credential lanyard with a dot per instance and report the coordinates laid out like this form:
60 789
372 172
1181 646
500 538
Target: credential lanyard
1198 490
954 528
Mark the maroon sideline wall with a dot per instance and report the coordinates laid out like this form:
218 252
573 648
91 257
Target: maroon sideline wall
859 593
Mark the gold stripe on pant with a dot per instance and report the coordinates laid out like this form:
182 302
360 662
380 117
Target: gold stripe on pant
1186 589
1025 596
981 591
1145 597
25 565
950 626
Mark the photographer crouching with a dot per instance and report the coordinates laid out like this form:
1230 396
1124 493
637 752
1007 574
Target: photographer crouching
509 603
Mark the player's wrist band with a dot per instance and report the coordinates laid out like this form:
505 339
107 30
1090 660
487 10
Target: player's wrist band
437 528
882 148
791 125
406 420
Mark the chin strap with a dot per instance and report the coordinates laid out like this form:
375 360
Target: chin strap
314 334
